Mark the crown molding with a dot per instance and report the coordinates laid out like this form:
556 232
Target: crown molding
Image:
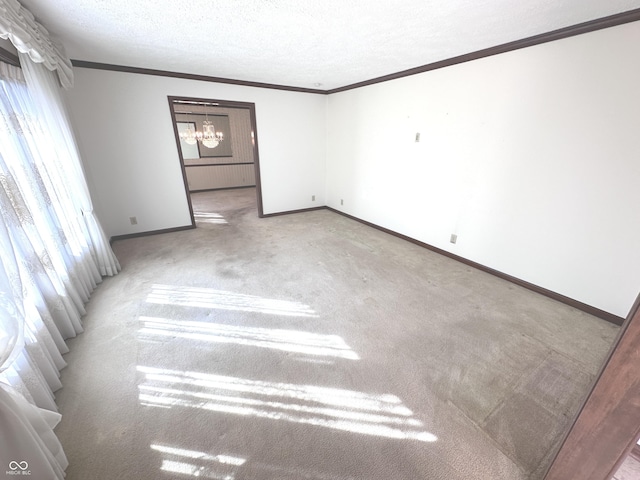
579 29
562 33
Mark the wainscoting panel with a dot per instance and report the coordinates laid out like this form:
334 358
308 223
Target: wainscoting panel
220 176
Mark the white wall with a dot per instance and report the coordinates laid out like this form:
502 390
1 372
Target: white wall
532 158
125 135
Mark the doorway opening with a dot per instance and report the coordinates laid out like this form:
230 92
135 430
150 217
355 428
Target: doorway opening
218 149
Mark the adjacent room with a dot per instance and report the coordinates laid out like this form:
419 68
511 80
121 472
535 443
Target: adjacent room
322 242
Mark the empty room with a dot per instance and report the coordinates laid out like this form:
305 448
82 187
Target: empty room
320 240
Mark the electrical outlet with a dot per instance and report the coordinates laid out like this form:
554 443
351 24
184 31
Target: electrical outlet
313 198
341 202
454 238
133 220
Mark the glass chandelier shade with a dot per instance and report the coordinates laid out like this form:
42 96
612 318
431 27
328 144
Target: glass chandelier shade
189 135
208 136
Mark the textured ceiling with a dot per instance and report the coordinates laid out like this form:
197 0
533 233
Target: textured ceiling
321 44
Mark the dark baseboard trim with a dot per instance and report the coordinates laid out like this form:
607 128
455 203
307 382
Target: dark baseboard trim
289 212
221 188
152 232
596 312
189 76
579 29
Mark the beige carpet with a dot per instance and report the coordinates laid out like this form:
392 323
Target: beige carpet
312 347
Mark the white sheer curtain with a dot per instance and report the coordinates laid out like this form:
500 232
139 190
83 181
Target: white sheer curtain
26 431
53 254
45 90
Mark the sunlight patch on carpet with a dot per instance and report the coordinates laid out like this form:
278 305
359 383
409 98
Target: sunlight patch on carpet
219 299
227 467
347 410
277 339
208 217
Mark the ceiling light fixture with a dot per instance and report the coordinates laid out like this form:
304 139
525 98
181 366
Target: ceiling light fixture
208 136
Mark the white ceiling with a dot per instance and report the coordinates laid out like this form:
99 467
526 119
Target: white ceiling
321 44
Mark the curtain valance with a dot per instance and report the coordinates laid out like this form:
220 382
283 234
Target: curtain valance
28 36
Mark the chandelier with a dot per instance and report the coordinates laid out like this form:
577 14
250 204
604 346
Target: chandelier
208 136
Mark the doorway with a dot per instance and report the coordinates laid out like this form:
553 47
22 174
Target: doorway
218 149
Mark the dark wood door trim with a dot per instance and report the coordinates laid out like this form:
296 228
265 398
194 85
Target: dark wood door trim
254 138
609 421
